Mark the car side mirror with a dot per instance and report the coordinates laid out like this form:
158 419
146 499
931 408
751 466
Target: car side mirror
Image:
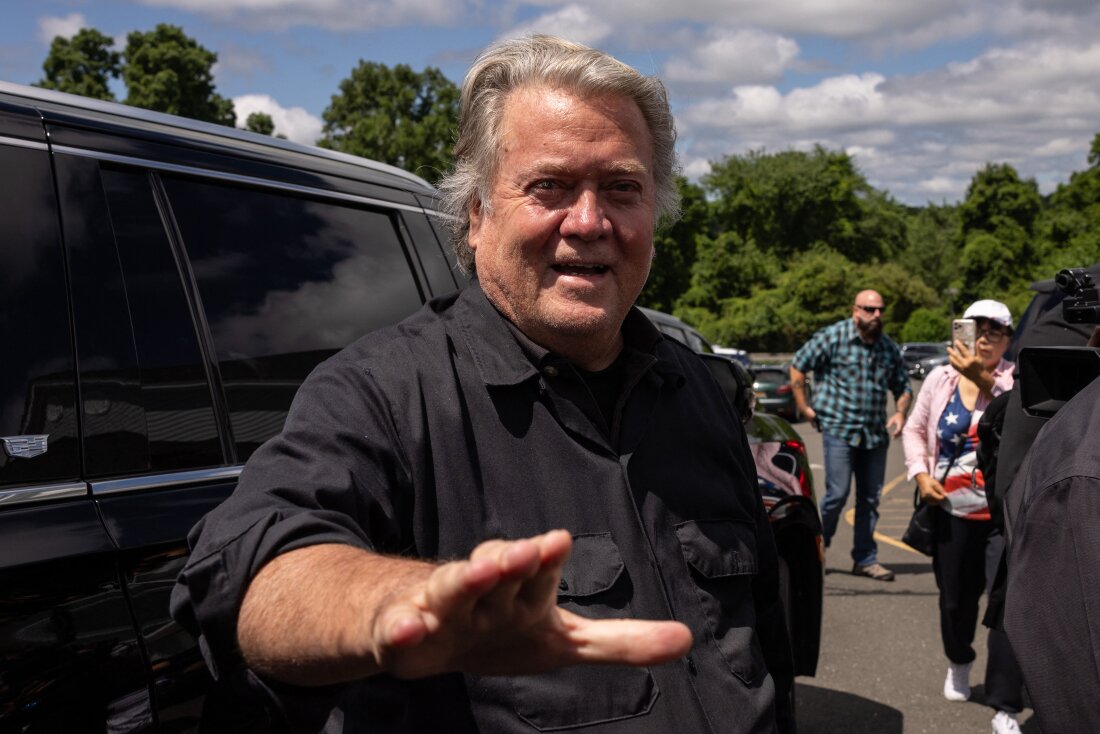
735 380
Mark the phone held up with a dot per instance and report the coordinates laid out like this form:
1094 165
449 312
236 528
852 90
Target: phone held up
966 331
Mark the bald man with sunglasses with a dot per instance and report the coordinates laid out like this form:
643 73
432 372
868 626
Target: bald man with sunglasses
854 364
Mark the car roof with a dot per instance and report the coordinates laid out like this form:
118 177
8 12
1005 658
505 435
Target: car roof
63 108
663 318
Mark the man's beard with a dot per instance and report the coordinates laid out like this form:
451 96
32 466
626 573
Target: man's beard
870 329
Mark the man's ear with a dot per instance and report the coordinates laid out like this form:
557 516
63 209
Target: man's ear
477 219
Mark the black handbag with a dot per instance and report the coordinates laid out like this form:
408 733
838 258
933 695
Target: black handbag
921 533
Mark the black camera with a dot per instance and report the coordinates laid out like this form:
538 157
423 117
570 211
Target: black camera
1082 302
1050 376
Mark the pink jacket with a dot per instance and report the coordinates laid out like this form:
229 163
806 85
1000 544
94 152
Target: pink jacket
919 436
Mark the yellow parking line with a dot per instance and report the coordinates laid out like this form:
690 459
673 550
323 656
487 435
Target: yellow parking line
850 517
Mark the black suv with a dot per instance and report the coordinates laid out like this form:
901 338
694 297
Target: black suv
165 287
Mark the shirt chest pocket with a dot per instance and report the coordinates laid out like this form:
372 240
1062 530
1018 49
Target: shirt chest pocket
594 584
722 557
849 365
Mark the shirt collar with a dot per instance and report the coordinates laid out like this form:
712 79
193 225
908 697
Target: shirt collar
504 355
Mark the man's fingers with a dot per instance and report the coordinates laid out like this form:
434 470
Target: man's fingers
626 641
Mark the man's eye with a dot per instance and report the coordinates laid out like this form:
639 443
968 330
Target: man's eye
625 187
546 185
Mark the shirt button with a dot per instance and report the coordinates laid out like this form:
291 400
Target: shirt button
550 370
563 585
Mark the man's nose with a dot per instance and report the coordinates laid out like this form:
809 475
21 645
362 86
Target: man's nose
586 218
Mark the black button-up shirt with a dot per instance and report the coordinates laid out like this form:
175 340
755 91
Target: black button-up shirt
451 428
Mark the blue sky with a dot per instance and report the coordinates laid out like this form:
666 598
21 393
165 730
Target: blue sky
922 94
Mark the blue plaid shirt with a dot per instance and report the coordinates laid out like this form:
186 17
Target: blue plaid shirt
851 378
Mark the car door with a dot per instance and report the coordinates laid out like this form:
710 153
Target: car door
69 655
203 299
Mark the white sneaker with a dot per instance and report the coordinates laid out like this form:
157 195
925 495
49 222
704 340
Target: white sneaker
1005 723
956 687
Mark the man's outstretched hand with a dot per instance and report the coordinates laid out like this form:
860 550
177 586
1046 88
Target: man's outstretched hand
332 613
497 613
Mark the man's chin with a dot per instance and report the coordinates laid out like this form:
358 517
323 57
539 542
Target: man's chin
872 332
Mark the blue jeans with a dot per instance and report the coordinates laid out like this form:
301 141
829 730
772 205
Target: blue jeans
842 460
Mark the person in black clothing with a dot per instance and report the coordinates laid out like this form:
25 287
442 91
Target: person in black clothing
1052 604
467 510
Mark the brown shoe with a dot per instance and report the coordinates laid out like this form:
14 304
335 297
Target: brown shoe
875 571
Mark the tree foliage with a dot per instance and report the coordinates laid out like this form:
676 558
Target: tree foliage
83 64
675 249
168 71
260 122
394 115
791 201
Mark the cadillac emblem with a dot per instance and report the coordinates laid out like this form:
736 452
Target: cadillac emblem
25 447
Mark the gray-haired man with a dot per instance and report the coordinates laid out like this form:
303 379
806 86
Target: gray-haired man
535 399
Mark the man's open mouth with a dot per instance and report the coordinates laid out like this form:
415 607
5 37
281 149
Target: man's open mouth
576 269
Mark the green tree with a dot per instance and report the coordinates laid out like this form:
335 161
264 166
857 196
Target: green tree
168 71
727 267
788 202
997 232
675 250
1070 227
926 325
83 64
260 122
997 199
398 116
904 291
932 246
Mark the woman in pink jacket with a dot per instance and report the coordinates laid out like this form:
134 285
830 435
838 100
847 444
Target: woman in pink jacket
941 441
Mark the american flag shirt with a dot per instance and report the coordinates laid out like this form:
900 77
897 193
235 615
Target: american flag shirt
964 485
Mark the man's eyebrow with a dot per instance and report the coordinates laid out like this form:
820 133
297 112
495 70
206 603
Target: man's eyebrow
554 168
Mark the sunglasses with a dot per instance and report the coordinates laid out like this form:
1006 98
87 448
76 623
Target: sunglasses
871 309
993 336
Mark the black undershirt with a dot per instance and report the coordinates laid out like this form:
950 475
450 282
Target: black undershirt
605 386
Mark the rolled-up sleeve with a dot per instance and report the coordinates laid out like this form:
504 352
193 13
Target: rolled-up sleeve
329 477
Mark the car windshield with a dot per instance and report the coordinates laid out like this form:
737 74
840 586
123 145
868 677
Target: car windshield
772 375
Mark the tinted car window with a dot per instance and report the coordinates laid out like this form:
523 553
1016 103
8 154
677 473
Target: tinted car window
285 282
175 393
37 394
436 265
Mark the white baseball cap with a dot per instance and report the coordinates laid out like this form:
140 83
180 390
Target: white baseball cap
989 309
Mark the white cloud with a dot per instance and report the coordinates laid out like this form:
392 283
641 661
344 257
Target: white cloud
1034 106
833 18
575 22
335 15
294 122
731 57
50 27
942 186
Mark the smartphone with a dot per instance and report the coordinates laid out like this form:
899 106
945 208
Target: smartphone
966 331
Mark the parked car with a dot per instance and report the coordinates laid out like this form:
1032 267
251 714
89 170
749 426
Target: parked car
681 332
913 352
738 354
772 385
785 481
927 364
671 326
166 286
